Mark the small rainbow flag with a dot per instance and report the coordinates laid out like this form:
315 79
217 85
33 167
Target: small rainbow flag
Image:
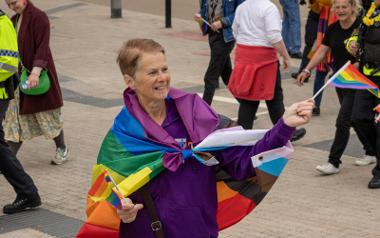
349 77
100 188
377 108
115 199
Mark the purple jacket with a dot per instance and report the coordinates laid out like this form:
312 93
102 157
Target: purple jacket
186 199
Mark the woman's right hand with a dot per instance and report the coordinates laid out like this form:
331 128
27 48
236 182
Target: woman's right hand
128 212
33 80
301 78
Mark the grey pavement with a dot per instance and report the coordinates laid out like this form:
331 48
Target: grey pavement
84 42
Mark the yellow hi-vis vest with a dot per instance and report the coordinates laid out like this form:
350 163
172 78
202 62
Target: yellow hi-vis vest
8 52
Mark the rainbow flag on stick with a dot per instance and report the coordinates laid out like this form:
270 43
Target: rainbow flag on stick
349 77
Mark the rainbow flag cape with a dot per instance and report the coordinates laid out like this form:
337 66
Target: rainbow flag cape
133 159
349 77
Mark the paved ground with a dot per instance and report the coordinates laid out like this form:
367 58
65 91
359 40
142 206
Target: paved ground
84 43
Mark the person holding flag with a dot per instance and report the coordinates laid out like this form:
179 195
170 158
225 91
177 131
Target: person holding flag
158 121
365 44
347 12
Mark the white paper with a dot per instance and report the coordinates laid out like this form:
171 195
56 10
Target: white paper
235 136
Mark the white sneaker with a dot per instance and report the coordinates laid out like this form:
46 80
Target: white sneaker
365 160
61 156
327 169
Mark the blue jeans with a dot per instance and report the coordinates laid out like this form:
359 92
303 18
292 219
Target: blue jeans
318 83
291 25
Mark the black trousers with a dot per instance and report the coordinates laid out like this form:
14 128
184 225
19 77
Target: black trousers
363 118
311 30
219 65
276 108
343 124
10 167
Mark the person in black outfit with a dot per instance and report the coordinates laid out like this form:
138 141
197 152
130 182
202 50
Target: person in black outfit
334 40
10 167
368 43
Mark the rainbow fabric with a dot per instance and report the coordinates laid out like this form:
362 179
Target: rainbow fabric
349 77
375 91
133 160
377 108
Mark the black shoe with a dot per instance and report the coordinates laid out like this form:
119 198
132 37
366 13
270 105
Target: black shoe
297 55
298 134
374 183
22 203
316 111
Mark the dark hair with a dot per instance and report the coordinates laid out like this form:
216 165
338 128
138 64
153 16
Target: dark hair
131 51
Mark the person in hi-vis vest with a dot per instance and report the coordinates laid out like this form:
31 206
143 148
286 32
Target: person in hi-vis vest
10 167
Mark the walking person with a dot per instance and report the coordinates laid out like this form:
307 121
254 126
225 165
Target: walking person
31 116
366 45
10 167
291 27
184 196
256 76
220 14
347 12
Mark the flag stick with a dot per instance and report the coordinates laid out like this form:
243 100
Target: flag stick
117 187
330 80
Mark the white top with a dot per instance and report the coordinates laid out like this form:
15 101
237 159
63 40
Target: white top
257 23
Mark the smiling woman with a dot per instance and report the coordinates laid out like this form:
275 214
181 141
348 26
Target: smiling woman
146 72
184 193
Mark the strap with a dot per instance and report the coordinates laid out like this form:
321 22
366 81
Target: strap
156 225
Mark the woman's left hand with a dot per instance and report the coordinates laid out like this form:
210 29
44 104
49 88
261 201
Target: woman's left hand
33 80
299 113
